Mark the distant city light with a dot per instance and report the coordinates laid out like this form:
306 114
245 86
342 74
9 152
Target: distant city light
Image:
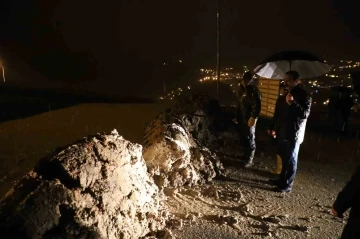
339 75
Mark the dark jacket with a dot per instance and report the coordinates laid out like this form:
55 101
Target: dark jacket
249 103
279 114
292 118
349 197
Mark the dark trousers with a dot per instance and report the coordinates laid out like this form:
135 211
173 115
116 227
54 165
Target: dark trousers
247 137
288 151
351 229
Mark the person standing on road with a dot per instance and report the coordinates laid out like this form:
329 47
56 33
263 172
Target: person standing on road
249 107
349 197
292 130
274 129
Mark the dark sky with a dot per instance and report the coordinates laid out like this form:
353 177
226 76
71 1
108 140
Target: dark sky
118 46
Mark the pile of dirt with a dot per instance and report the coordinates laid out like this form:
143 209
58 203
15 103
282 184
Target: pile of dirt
175 145
97 187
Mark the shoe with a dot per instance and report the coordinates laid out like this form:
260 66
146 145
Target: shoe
283 190
249 163
249 159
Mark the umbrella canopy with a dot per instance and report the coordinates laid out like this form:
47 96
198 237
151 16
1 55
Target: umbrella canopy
305 63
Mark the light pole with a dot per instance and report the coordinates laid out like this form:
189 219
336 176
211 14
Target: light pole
218 46
3 72
165 75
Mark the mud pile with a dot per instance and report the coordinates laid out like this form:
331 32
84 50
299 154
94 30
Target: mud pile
175 145
97 187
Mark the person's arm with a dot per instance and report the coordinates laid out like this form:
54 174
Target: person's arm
345 198
275 118
302 108
255 103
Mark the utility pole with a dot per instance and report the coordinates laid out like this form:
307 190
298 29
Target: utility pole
164 75
218 46
3 70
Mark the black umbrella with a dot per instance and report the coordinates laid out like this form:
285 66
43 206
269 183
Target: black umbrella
307 64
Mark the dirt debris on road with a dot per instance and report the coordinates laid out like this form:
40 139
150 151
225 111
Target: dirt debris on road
244 205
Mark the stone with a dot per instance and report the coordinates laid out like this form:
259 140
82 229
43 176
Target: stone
174 149
97 187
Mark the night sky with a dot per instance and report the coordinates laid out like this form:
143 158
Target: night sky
119 47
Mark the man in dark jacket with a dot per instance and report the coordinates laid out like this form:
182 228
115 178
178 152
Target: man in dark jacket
249 106
349 197
274 129
292 124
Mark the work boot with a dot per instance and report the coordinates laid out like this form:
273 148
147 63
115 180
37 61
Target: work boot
249 159
283 189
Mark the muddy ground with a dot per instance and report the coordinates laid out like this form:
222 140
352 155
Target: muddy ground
243 205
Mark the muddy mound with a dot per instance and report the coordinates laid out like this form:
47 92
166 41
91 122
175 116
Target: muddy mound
175 146
197 114
97 187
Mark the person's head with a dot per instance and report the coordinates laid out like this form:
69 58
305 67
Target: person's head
292 79
246 78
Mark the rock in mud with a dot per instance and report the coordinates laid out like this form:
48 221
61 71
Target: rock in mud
164 234
191 193
175 223
173 152
272 219
191 217
212 192
230 220
97 187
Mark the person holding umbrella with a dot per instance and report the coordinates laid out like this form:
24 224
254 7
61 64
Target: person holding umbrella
249 107
288 65
292 130
274 128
